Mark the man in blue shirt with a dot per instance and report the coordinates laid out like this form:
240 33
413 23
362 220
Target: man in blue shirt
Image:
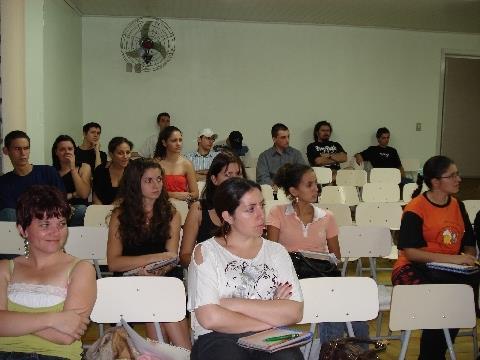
279 154
23 175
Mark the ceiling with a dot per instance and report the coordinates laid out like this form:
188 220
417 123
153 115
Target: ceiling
430 15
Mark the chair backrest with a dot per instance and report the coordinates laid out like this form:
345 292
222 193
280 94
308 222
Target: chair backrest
379 214
269 204
381 192
251 173
411 165
87 242
339 195
10 240
201 185
408 190
472 207
267 192
98 215
385 175
139 299
182 208
323 174
364 241
432 306
339 299
347 177
341 213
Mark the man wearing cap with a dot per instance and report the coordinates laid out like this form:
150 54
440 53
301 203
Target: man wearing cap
203 157
234 143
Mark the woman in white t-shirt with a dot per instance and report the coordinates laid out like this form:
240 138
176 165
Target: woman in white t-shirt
238 282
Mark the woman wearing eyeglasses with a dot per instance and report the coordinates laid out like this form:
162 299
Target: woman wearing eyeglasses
435 228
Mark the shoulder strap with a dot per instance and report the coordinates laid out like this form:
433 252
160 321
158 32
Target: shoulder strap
11 266
70 269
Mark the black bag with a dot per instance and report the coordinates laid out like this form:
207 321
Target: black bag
350 349
312 268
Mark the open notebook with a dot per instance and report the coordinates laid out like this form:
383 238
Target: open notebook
461 269
152 266
330 257
275 339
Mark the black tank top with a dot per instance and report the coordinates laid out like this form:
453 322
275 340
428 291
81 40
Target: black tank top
207 227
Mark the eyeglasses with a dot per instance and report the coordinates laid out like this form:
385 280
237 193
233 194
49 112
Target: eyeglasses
451 176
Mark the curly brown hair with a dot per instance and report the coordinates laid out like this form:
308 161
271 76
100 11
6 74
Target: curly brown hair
132 217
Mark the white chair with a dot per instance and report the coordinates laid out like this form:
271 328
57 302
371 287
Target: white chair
338 299
323 174
346 177
385 175
379 214
88 242
411 167
408 190
182 208
364 241
201 185
251 173
431 306
339 195
267 192
139 299
341 212
472 207
98 215
381 192
10 239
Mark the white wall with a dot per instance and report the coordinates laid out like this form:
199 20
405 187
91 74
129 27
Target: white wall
247 76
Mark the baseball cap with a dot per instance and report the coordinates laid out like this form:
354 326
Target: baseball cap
208 133
235 138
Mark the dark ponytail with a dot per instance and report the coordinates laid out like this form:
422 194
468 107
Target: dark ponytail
418 190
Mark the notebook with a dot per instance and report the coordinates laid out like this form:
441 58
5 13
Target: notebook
152 266
461 269
320 256
275 339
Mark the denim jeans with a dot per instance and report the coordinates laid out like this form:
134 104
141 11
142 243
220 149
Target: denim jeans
329 331
4 355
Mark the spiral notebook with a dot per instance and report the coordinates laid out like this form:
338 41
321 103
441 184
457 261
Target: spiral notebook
461 269
330 257
152 266
275 339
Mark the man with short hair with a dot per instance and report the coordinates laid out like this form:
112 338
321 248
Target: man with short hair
323 151
89 151
148 148
381 155
203 157
23 175
279 154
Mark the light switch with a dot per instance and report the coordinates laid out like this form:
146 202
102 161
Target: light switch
419 126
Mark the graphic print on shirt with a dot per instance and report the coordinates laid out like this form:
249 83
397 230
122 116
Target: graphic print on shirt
449 236
384 154
326 149
251 281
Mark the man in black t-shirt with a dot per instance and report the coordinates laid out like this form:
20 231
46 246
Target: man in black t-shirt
323 152
381 155
89 152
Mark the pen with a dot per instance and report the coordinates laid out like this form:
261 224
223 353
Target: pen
282 337
476 261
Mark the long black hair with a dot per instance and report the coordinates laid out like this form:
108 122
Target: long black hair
160 148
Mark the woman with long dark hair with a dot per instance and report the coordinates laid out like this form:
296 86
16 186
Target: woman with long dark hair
75 176
239 282
145 228
435 228
180 180
202 221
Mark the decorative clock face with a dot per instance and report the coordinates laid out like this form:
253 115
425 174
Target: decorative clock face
147 44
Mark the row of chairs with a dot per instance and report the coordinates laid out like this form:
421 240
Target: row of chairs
438 306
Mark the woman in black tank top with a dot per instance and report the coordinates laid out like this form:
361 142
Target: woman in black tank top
202 221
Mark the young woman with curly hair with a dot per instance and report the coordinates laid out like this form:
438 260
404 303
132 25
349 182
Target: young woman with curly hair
145 228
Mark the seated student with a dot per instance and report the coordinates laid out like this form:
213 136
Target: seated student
202 221
300 225
238 282
323 151
382 155
106 178
89 151
148 148
203 157
179 179
46 295
75 176
235 144
23 175
145 228
435 228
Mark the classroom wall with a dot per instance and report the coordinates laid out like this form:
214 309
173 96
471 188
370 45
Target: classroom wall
247 76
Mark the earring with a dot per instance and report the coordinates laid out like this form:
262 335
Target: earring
26 248
296 199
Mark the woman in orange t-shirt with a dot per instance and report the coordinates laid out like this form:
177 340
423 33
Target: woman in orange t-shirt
435 228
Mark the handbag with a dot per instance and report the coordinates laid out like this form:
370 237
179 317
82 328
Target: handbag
312 268
350 349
